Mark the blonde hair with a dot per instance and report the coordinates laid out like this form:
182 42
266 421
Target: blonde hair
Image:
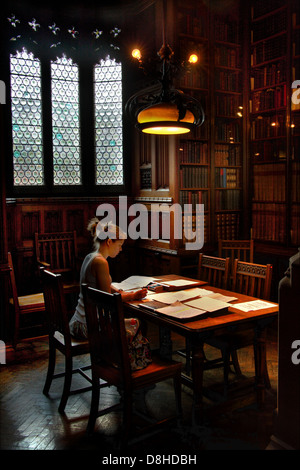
102 231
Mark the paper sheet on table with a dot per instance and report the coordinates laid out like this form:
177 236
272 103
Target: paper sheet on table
208 304
224 298
134 282
171 297
179 282
180 311
253 305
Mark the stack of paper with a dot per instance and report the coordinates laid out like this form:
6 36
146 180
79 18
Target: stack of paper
208 304
134 282
253 305
171 297
181 311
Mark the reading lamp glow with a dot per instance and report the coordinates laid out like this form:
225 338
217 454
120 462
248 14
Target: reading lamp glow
136 54
159 108
193 59
163 119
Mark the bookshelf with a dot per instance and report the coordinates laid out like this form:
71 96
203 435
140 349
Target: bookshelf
210 161
227 103
274 124
295 129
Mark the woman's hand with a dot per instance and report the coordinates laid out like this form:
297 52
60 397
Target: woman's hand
139 294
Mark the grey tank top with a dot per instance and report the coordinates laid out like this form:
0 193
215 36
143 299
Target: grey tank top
86 277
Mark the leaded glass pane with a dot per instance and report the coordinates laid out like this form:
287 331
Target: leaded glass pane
108 122
26 109
65 122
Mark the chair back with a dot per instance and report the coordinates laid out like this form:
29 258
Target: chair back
252 279
13 285
106 334
213 270
55 304
240 249
57 250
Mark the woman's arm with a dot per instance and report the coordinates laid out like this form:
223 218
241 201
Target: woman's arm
100 270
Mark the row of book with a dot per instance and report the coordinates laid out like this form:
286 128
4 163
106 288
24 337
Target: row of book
227 105
193 198
295 225
227 56
269 182
192 21
270 49
196 78
227 80
194 177
227 200
268 150
192 228
226 30
262 7
227 178
146 178
264 127
227 226
269 222
269 26
296 182
227 131
272 98
268 75
227 155
192 151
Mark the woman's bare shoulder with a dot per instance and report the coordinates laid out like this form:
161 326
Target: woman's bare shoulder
99 262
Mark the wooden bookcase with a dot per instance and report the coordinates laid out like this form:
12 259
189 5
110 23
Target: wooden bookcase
204 166
274 123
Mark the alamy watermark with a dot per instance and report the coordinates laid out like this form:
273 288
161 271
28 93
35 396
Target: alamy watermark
2 352
182 223
2 92
296 92
296 354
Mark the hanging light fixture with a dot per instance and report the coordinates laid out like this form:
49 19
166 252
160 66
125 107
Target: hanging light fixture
160 108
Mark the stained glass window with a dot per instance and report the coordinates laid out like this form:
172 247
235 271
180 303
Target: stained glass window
26 119
29 123
108 122
65 122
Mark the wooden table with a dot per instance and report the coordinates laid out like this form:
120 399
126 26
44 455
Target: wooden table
200 330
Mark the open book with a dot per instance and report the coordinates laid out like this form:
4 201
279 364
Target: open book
134 282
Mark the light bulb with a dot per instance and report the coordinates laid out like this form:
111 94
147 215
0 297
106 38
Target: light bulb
193 59
136 54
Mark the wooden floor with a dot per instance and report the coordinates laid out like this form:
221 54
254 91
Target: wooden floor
30 420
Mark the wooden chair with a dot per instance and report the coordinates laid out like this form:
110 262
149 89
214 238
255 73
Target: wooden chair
236 249
213 270
58 252
110 360
253 280
60 338
24 306
216 272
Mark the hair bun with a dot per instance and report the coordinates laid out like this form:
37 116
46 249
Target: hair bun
92 226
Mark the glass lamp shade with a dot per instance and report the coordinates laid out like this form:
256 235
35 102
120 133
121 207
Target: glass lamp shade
163 119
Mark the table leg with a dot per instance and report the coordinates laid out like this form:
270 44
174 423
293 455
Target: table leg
197 375
260 364
165 342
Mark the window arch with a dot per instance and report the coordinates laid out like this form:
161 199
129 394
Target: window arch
108 122
46 132
26 111
65 122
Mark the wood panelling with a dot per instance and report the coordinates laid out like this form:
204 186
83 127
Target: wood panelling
27 216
